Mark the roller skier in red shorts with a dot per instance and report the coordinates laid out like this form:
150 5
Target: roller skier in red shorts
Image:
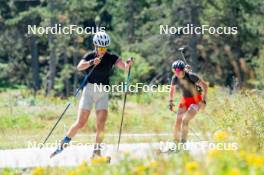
194 92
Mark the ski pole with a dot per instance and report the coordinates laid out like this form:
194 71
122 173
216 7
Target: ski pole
69 103
124 104
188 67
181 50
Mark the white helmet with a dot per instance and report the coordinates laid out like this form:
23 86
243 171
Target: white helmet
101 39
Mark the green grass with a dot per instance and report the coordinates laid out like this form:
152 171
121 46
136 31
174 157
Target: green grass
26 118
29 118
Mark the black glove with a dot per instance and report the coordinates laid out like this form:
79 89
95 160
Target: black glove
188 68
129 60
91 62
204 99
171 105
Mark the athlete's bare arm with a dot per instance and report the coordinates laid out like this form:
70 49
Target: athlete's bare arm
172 89
123 64
203 84
83 64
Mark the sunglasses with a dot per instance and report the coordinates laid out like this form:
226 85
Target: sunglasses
101 49
177 71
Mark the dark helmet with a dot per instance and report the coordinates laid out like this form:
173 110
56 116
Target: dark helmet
179 64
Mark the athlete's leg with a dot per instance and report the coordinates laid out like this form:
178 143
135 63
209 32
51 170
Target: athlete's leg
85 107
80 122
191 112
101 116
82 118
178 124
101 107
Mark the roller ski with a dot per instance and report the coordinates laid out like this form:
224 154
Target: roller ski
64 143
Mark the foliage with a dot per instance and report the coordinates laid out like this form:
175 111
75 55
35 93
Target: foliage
213 162
134 29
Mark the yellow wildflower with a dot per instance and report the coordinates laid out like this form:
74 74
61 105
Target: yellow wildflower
191 166
198 173
234 171
83 167
99 160
71 173
254 160
220 136
213 153
153 164
139 169
258 161
38 171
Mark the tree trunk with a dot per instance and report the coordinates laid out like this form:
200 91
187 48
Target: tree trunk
131 22
52 63
66 79
34 63
75 62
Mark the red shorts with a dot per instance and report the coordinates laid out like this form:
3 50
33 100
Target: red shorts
185 102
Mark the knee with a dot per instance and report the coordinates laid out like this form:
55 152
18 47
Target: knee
80 124
82 118
185 121
179 119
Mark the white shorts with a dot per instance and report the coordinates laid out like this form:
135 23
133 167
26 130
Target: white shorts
91 95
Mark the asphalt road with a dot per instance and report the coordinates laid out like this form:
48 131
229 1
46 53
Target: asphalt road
74 155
